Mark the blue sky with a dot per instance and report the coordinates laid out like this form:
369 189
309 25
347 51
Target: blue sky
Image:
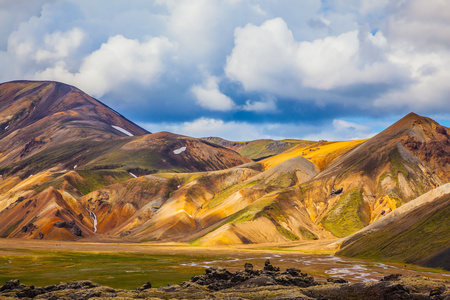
242 70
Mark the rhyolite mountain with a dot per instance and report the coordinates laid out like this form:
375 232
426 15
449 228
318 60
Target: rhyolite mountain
77 170
258 149
37 116
50 124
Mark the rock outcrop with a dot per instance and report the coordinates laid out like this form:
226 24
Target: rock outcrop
270 283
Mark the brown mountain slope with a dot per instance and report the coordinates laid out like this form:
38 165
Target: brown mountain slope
45 125
415 233
54 137
165 151
39 115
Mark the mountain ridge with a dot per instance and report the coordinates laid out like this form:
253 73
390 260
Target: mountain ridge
164 187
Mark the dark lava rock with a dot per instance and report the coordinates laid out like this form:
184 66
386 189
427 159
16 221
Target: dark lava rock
29 228
336 192
218 279
75 230
11 285
145 286
380 290
60 224
337 280
269 268
437 291
392 277
248 267
71 226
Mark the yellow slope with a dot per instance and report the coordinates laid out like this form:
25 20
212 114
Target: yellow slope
322 153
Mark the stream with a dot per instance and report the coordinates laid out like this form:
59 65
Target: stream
322 267
94 218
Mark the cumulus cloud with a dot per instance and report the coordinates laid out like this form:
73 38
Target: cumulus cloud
118 61
210 97
343 130
337 130
268 58
60 44
307 60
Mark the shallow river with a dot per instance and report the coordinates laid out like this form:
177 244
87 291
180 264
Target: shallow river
322 266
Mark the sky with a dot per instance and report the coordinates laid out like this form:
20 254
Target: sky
240 69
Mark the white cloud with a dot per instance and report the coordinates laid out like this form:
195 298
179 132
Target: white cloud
210 97
337 130
266 105
144 53
204 127
342 130
60 44
119 60
268 58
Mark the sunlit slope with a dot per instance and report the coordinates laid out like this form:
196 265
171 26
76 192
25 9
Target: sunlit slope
321 153
46 206
380 175
256 210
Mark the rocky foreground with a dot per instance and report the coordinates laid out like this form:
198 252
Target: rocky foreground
270 283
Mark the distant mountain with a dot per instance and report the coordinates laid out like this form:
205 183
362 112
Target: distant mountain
258 149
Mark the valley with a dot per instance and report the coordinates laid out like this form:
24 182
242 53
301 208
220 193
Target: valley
125 265
82 187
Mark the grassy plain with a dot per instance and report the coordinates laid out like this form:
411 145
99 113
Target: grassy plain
128 266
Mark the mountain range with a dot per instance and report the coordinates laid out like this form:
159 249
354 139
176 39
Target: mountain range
73 168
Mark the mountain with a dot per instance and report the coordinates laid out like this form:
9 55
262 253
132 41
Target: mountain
258 149
50 124
37 116
380 175
90 173
415 233
58 144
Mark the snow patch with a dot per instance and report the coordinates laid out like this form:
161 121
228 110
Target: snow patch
178 151
132 175
122 130
74 167
6 127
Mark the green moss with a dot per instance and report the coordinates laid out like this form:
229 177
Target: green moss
397 164
417 236
228 192
274 213
94 180
118 270
346 217
306 234
67 154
